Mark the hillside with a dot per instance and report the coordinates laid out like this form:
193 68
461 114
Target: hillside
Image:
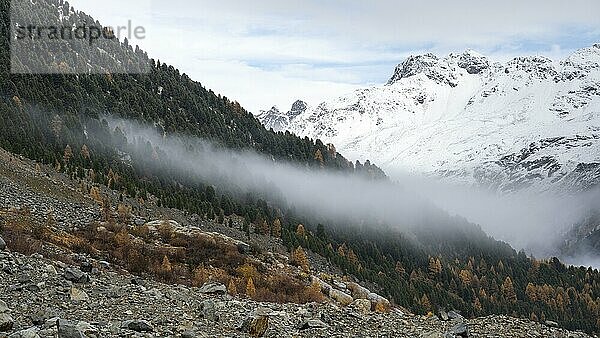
112 207
90 289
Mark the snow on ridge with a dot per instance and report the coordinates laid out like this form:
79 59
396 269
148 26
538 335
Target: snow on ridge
471 120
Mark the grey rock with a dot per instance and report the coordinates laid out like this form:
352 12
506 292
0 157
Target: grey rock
138 325
28 333
68 329
188 334
2 244
551 323
40 317
255 326
7 269
454 315
460 330
3 307
76 276
443 315
211 287
32 288
24 279
78 295
244 248
209 310
432 334
6 322
312 324
138 281
86 267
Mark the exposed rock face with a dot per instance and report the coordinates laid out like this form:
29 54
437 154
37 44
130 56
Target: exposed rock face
214 288
473 63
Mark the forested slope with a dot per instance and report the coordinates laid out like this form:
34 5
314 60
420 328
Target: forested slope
448 264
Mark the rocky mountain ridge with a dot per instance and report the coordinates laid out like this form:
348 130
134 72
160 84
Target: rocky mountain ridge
529 123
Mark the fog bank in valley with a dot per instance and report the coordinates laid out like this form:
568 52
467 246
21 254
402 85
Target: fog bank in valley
525 220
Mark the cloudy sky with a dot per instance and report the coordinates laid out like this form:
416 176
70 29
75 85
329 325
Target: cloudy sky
272 52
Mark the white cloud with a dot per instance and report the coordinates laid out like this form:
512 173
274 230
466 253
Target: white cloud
269 52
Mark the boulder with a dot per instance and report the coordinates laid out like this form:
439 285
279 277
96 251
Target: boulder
68 329
362 305
86 267
6 322
312 324
3 307
358 291
76 276
2 244
138 325
341 297
454 315
214 288
460 330
255 326
443 315
78 295
28 333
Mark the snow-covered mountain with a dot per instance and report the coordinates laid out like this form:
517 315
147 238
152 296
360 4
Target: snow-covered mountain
531 122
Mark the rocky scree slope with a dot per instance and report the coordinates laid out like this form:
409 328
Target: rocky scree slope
61 292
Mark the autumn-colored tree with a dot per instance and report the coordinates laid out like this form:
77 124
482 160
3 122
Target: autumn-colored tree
262 227
531 292
124 212
435 266
425 302
85 152
319 157
477 304
533 317
166 269
353 258
342 250
400 268
276 228
67 154
466 276
300 231
95 194
250 289
122 238
300 259
18 102
508 290
165 231
231 288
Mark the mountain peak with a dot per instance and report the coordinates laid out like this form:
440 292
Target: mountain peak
473 62
298 108
414 65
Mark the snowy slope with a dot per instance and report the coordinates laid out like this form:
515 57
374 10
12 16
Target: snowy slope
531 122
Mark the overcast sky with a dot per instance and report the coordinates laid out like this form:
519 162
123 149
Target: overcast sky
272 52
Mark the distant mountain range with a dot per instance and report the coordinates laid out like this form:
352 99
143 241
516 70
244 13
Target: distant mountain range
529 123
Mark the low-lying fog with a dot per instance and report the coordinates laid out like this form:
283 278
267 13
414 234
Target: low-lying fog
528 221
